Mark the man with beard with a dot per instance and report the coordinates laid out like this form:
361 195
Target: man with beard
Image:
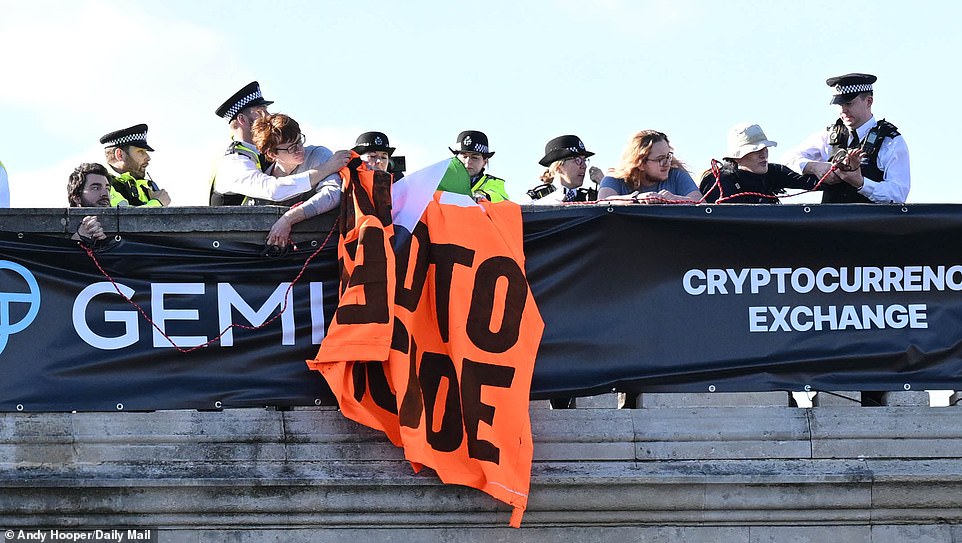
88 186
127 154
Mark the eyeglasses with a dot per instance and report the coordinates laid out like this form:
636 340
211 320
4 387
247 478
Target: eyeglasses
579 160
664 160
293 147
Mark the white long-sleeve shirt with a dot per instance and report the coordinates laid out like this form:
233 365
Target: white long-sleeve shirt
893 160
238 174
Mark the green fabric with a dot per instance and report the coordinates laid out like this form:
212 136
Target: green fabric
455 178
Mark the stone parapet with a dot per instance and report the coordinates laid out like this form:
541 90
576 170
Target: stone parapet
252 471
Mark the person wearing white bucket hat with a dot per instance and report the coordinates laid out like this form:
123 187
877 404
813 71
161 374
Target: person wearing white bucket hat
747 177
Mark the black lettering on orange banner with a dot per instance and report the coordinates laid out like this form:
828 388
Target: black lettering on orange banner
381 194
370 377
348 218
436 367
372 277
475 375
406 297
412 404
482 305
444 256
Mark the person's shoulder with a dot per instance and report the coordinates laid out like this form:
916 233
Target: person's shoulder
488 177
887 129
311 151
680 174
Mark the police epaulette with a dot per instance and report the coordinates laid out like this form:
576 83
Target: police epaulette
887 129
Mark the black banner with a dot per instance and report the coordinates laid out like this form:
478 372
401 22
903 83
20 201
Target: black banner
68 341
747 298
642 298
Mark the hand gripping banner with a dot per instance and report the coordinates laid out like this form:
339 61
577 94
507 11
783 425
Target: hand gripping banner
436 332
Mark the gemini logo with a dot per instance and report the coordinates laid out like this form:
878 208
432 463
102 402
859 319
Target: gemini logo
7 299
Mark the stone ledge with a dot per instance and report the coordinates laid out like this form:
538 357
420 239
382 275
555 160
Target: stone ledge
263 469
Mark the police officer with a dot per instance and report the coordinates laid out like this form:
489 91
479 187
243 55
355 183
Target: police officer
566 160
878 170
127 153
375 149
472 150
240 176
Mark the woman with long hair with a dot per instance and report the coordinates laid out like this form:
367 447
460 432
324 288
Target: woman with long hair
649 173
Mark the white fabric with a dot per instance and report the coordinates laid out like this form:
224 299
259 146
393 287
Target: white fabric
4 187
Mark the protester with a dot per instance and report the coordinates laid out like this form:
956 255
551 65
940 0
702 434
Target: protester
649 173
4 187
473 151
88 186
278 137
239 175
127 153
882 174
566 160
746 176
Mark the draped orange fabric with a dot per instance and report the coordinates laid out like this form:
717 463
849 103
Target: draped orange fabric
436 346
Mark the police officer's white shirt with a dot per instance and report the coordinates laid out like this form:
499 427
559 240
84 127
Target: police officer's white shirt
555 198
238 174
4 188
893 160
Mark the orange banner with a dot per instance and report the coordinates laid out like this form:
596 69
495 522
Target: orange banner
436 346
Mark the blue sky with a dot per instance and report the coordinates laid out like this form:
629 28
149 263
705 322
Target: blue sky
523 72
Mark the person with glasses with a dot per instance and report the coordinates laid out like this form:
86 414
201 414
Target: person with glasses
649 173
279 138
747 177
567 160
473 151
240 176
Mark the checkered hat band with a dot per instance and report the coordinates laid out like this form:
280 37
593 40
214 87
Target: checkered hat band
849 89
239 105
127 139
478 148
